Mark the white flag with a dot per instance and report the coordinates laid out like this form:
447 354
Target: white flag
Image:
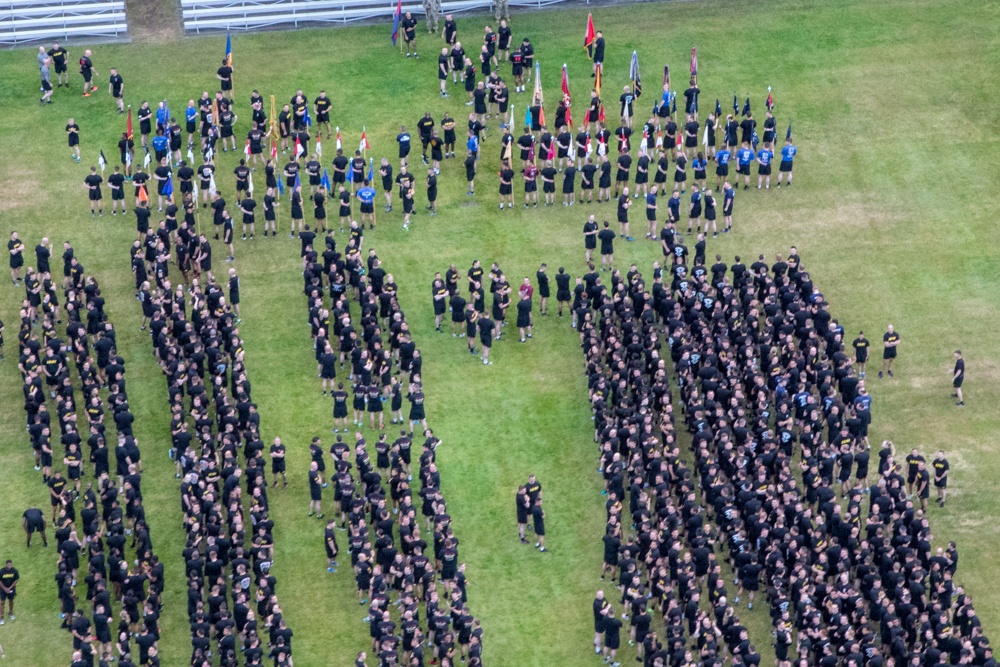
211 185
146 160
190 155
319 146
250 183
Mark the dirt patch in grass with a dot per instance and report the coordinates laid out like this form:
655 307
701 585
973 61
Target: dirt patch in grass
154 21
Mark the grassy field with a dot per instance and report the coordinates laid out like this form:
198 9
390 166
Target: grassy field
893 212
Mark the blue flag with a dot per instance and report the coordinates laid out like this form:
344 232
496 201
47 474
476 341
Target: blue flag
298 183
527 116
281 187
168 187
229 49
371 167
325 181
350 174
395 21
309 121
746 107
718 108
736 105
788 135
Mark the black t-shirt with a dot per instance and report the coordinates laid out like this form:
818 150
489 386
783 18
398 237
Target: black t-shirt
959 369
607 238
9 576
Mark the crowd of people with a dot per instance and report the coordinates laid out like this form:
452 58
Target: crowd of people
772 496
373 500
102 538
757 366
230 562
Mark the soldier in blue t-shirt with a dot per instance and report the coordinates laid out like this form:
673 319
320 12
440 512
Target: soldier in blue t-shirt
744 156
366 195
764 157
787 156
722 166
674 207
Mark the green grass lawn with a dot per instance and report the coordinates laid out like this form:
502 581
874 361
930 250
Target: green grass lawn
893 212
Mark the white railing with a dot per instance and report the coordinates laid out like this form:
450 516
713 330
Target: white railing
26 21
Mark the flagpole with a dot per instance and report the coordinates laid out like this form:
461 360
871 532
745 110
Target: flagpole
364 146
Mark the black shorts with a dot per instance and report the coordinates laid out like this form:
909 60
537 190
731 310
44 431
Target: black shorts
548 187
942 483
60 69
722 170
764 170
889 353
785 167
7 596
95 194
957 382
530 186
680 177
505 190
743 169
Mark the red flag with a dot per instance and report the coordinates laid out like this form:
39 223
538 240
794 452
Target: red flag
694 61
569 117
143 196
246 149
274 149
600 114
680 140
565 85
298 148
770 101
598 80
364 145
589 36
541 116
552 151
128 123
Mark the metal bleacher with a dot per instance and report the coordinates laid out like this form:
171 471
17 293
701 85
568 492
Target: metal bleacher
207 15
30 21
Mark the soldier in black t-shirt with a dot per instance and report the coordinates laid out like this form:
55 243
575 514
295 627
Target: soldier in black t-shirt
116 182
88 72
59 56
861 347
958 377
225 76
116 88
92 184
8 590
941 467
33 521
408 25
73 138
